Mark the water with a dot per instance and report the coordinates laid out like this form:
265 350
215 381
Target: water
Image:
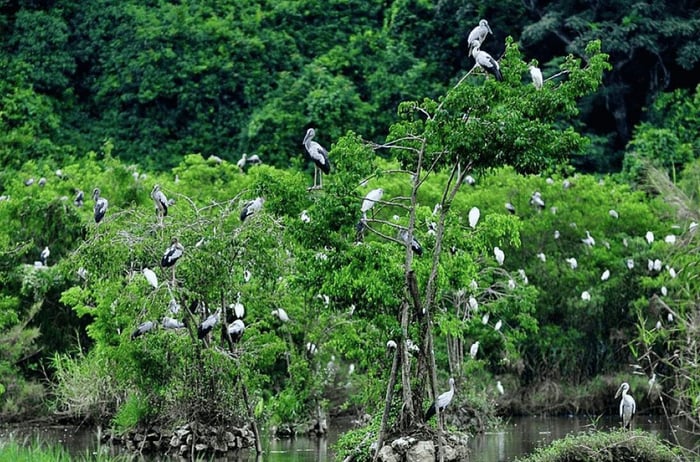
518 437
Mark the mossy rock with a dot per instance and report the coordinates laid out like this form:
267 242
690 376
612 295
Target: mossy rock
618 446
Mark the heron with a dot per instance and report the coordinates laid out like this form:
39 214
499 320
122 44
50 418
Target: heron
311 349
474 349
370 199
649 236
536 200
319 155
585 296
281 314
101 205
161 203
474 215
485 319
252 207
536 75
415 245
486 62
79 198
627 405
588 240
542 257
247 275
499 324
42 182
613 213
172 323
236 330
499 387
151 277
557 234
245 160
208 324
572 262
670 239
510 207
630 263
29 182
500 255
442 401
45 255
478 35
142 329
605 276
238 308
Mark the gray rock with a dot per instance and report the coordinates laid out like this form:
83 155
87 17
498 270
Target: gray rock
386 454
423 451
200 447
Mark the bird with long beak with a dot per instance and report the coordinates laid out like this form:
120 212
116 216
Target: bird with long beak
627 405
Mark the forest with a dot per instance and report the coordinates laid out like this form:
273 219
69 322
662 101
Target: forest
535 242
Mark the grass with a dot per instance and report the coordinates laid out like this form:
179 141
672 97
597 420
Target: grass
36 451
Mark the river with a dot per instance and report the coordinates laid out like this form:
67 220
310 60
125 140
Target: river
517 437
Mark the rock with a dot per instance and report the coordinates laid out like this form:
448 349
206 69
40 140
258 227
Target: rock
402 444
423 451
229 438
184 449
200 447
175 441
386 454
450 452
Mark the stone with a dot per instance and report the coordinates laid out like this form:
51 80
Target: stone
200 447
386 454
401 445
175 441
184 449
422 451
450 452
229 438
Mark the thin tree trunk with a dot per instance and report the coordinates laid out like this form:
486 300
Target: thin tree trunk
387 402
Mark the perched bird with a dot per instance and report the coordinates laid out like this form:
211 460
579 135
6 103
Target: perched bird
172 323
236 330
45 255
500 256
100 205
536 75
79 198
585 296
485 319
474 349
311 349
151 277
605 276
252 207
208 324
172 254
247 275
214 159
473 303
630 263
649 236
29 182
391 345
536 200
245 160
486 62
670 239
142 329
442 401
238 308
281 315
319 155
542 257
42 182
572 262
173 306
305 216
588 240
510 207
498 325
557 234
370 199
627 405
470 180
474 215
478 35
613 213
415 245
161 202
499 387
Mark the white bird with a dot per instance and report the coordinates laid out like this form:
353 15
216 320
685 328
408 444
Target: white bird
437 208
630 263
208 324
588 240
142 329
477 35
523 276
572 262
669 317
585 296
557 234
498 325
236 330
42 182
252 207
536 200
311 348
391 345
161 203
442 401
657 265
510 207
173 306
474 215
473 303
486 62
214 159
238 308
319 155
658 325
627 405
474 349
29 182
470 180
613 213
500 256
670 239
172 254
542 257
246 275
499 387
511 284
305 216
672 272
649 237
485 319
281 315
566 184
151 277
536 75
101 205
473 285
624 242
370 199
664 291
549 180
605 276
172 323
692 226
44 256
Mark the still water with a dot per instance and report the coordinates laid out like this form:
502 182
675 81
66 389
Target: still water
517 438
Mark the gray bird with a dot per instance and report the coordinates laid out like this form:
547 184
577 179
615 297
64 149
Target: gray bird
319 155
442 401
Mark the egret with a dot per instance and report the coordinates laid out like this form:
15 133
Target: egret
478 35
486 62
172 323
319 155
498 325
627 405
442 401
236 330
474 349
499 387
605 276
281 315
485 319
437 208
470 180
657 265
557 234
370 199
536 200
649 237
161 203
658 325
588 240
172 254
415 245
630 263
44 256
214 159
42 182
82 273
208 324
247 275
670 239
664 291
572 262
510 207
252 207
613 213
672 272
542 257
100 205
142 329
669 317
500 256
238 308
474 215
536 75
305 216
585 296
473 303
59 173
151 277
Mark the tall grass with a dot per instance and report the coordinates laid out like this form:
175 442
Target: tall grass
13 450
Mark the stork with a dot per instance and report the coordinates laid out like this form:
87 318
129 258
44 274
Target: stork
536 200
208 324
442 401
79 198
478 35
370 199
281 314
627 405
415 245
236 330
474 215
161 203
510 207
536 75
101 205
172 255
251 207
474 349
45 255
500 255
319 155
486 62
172 323
142 329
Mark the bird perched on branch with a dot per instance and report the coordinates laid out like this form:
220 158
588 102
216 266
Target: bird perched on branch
487 63
236 330
627 405
142 329
161 203
442 401
319 155
252 207
478 35
370 199
536 75
45 255
415 245
101 205
208 324
172 254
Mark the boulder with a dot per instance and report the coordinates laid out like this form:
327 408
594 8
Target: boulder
386 454
422 451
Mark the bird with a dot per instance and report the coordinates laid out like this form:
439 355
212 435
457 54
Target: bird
29 182
588 240
470 180
542 257
252 207
161 203
485 319
281 315
536 75
172 254
630 263
627 405
536 200
151 277
670 239
311 348
613 213
100 205
499 324
605 276
500 256
649 237
499 387
557 234
214 159
415 245
474 349
486 62
572 262
79 198
238 308
510 207
42 182
142 329
208 324
585 296
172 323
319 155
442 401
45 255
370 199
391 345
478 35
173 306
664 291
474 215
473 303
305 216
247 275
236 330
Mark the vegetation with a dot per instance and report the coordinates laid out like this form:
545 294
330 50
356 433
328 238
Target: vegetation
34 451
